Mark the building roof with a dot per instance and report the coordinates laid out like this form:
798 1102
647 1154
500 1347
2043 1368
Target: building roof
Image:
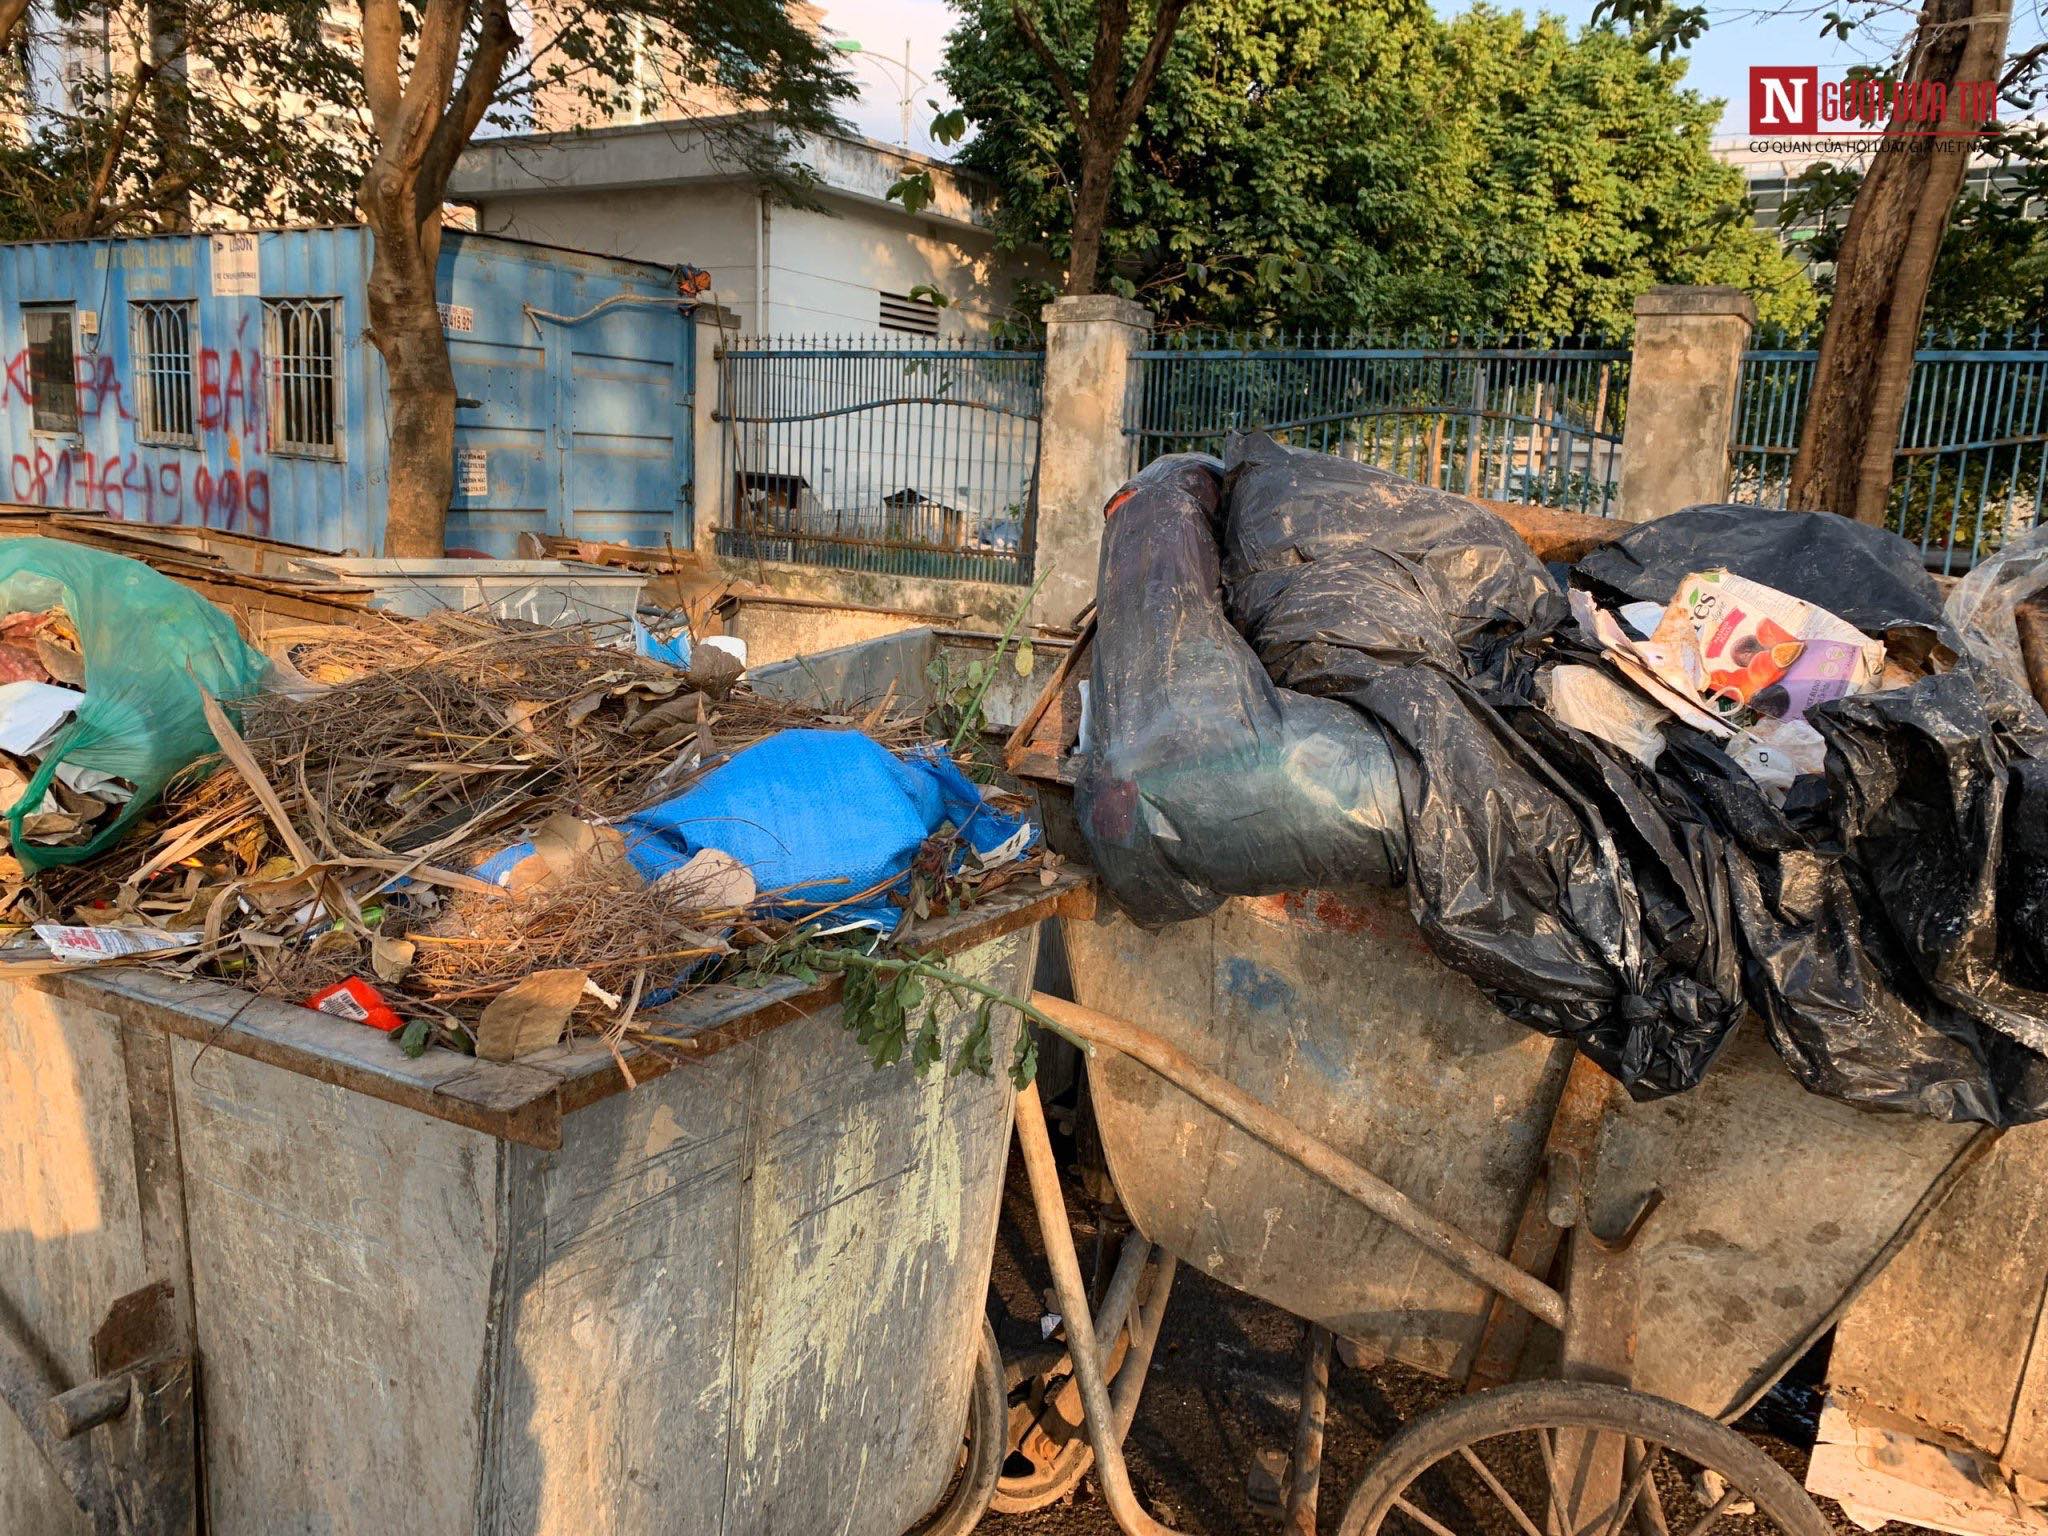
683 153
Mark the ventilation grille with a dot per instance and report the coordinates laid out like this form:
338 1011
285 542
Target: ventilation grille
900 312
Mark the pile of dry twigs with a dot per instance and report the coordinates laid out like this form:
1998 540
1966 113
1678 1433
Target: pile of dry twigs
331 837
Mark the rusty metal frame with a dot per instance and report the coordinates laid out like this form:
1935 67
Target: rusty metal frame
1107 1421
139 1477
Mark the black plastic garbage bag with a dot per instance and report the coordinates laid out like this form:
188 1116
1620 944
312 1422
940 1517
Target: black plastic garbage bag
1337 571
1835 988
1982 609
1888 920
1537 864
1869 914
1539 868
2023 877
1203 778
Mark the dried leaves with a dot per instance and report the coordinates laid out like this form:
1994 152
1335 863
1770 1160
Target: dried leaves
328 839
529 1015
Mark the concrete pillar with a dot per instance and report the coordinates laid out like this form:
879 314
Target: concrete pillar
711 470
1681 398
1083 455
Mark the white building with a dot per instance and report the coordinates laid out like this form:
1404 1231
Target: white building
664 192
1770 174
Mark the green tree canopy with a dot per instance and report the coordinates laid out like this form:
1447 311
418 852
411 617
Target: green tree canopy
1992 273
203 106
1359 164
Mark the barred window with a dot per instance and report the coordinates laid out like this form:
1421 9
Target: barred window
161 335
52 366
302 341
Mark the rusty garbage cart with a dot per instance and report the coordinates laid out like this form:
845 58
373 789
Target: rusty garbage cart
1295 1097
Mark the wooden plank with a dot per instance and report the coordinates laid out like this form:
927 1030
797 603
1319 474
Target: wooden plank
1556 535
1879 1469
1039 748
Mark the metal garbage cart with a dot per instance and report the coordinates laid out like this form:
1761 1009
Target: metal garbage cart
1294 1096
260 1272
447 1295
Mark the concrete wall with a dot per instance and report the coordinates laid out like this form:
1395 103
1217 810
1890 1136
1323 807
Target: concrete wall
776 628
1083 453
931 600
1683 377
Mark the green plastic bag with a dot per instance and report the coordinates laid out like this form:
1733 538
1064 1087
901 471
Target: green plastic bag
150 645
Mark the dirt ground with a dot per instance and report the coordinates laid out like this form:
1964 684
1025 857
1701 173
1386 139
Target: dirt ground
1222 1389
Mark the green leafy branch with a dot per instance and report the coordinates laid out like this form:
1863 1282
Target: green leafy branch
971 720
892 1005
913 187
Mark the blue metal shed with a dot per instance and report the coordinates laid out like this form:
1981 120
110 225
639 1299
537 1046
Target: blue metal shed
225 380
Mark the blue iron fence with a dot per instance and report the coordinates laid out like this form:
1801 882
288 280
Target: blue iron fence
1505 422
1973 446
911 457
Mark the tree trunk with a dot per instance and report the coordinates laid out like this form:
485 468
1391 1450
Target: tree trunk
11 12
405 327
1848 443
170 108
1091 215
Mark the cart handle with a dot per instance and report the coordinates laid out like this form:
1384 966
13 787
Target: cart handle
1275 1131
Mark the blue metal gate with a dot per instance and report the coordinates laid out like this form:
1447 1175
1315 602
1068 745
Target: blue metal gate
1507 422
1973 445
584 385
912 457
227 381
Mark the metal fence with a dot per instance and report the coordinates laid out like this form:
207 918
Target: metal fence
1504 422
1973 447
909 456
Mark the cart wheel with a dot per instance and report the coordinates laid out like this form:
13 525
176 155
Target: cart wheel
965 1500
1048 1451
1521 1452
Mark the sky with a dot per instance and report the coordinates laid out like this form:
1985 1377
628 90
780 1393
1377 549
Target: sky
1736 38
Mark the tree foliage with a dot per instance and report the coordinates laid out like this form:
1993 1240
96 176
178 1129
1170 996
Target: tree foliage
1992 272
1356 164
237 106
